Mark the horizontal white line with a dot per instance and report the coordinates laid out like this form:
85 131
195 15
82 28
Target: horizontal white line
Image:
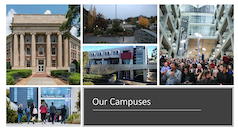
146 110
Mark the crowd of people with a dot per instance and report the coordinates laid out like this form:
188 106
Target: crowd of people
32 113
189 71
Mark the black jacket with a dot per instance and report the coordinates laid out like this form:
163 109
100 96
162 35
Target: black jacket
53 109
228 81
191 78
209 81
63 111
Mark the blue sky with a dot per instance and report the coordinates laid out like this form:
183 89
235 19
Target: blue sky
35 9
38 9
91 48
124 11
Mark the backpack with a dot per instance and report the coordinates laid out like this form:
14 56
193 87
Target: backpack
34 111
20 110
28 110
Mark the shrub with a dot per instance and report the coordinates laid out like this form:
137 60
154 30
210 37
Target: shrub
73 119
13 74
88 83
95 79
97 32
110 31
74 79
10 80
11 114
57 73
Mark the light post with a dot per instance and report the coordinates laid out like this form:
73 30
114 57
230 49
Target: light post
199 36
124 30
181 48
204 52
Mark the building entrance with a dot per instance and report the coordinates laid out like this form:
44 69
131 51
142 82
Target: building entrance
41 66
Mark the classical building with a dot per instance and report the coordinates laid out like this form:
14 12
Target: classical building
37 44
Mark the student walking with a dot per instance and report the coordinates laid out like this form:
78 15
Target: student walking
52 111
28 113
63 114
33 112
20 113
43 112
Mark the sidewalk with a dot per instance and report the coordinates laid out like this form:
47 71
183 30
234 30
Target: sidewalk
39 124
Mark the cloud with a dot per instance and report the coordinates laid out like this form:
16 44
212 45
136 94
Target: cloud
47 12
74 32
9 17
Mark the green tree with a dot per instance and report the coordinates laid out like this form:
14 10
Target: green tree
11 114
116 26
8 93
101 22
9 65
78 102
85 58
73 20
76 65
154 54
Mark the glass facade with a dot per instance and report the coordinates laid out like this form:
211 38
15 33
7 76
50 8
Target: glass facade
198 8
15 95
204 30
202 19
30 95
55 92
60 97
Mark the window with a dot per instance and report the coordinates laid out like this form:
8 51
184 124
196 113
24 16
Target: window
40 38
28 38
53 63
53 38
53 51
41 51
28 63
30 95
28 51
125 61
15 95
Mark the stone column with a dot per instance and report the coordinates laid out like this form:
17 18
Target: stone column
120 61
33 49
77 52
131 75
59 49
48 49
66 53
169 53
145 75
16 53
22 50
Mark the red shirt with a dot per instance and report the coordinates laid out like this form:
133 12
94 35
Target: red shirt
212 65
43 109
225 59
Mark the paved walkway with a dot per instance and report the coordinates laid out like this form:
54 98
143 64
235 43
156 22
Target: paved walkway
48 124
40 79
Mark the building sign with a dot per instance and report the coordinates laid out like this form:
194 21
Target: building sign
67 100
52 96
183 34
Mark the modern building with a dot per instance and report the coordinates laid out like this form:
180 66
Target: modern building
214 23
37 44
59 95
126 62
169 25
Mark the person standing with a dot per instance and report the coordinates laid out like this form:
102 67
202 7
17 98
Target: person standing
43 112
28 113
52 112
63 114
33 112
20 113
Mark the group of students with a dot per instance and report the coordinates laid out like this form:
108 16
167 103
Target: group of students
190 71
31 111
